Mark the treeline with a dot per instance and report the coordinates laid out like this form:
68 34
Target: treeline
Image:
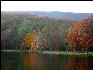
26 31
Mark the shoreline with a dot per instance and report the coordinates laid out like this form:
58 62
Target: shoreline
52 52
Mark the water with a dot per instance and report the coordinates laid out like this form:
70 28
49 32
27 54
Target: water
36 61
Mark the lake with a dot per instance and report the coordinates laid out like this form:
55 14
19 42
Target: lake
36 61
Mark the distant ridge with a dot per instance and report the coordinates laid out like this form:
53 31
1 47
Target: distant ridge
57 14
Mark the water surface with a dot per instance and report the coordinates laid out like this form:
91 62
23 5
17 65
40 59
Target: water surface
36 61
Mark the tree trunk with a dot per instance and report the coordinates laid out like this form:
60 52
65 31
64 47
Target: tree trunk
86 49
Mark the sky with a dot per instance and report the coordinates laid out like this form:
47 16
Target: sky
63 6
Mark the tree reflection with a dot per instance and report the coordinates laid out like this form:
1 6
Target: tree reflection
35 61
80 63
31 61
10 61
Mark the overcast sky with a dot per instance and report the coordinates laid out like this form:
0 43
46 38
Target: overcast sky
63 6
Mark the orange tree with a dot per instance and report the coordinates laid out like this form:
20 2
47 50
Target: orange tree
31 41
80 35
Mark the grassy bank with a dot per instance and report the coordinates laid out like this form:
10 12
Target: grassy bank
52 52
65 52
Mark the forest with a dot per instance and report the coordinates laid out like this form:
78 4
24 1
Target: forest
24 31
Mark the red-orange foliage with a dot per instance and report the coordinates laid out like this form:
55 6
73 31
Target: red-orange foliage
81 34
57 47
22 46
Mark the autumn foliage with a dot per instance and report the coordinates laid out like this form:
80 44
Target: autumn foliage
23 47
25 31
80 35
31 41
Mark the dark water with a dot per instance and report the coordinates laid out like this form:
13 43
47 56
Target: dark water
35 61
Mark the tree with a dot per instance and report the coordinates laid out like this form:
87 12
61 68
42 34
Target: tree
80 35
31 41
70 47
22 46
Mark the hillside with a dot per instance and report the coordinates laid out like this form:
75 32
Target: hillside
58 14
15 26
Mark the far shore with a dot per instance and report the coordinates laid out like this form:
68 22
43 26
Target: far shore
52 52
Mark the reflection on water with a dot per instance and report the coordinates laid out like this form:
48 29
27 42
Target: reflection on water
80 63
35 61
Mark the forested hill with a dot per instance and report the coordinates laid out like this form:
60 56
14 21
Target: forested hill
16 26
27 31
57 14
